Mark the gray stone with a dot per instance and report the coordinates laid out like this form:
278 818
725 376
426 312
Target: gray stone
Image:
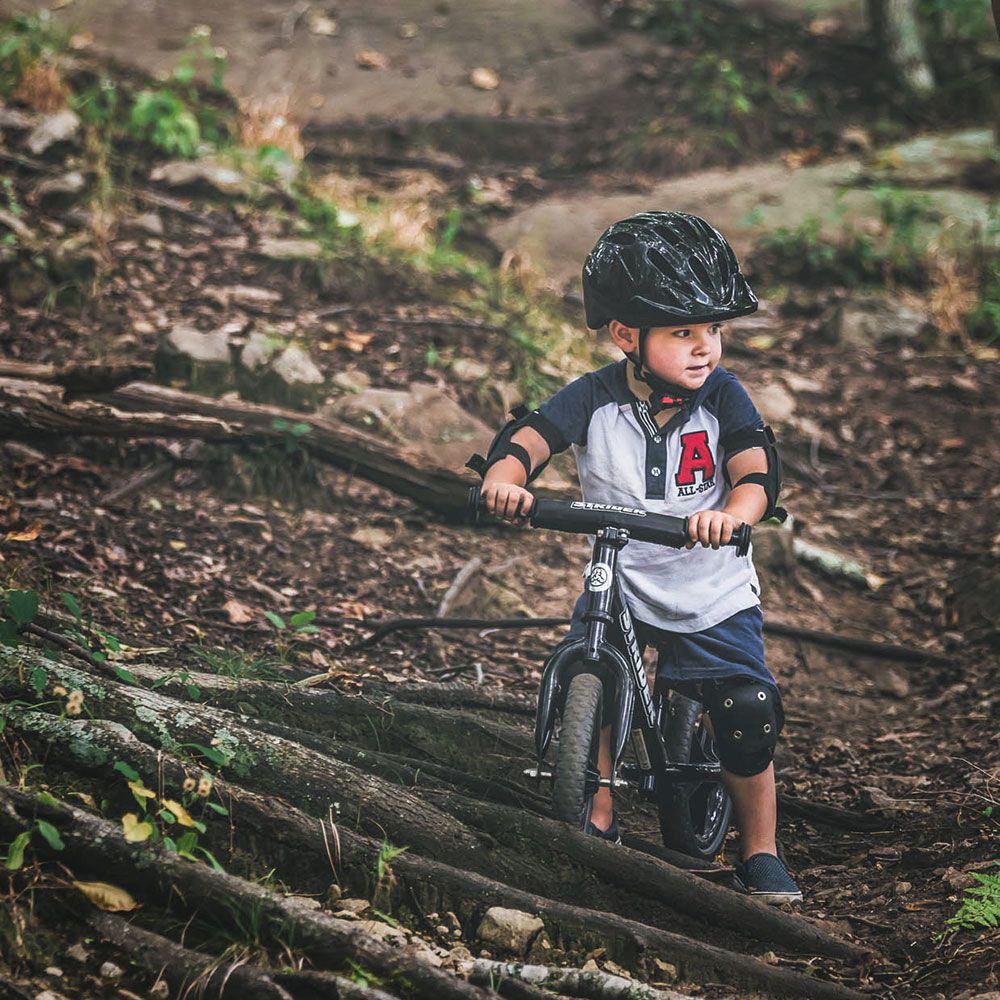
203 360
351 380
259 349
934 159
60 127
18 121
423 417
773 550
775 403
72 183
149 223
469 370
191 173
512 930
293 380
290 249
111 971
873 320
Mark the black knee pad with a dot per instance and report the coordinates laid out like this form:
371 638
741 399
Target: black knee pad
746 717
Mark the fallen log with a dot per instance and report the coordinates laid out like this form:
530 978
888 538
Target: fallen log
93 846
297 846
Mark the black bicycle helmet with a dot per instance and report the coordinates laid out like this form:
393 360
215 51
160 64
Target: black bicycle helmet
663 269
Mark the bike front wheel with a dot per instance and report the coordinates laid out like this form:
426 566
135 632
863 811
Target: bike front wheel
573 784
694 815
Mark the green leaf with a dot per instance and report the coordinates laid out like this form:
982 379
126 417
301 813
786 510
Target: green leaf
122 768
100 657
279 425
211 859
307 629
111 642
299 430
215 807
215 756
8 632
193 691
199 826
46 798
39 680
168 842
22 605
51 834
167 816
72 606
188 842
276 620
301 618
15 856
125 675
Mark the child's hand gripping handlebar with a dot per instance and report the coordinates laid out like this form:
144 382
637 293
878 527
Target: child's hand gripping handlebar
586 518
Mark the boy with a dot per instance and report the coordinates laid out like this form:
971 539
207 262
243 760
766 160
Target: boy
669 430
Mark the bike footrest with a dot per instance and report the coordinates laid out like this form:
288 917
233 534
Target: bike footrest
537 773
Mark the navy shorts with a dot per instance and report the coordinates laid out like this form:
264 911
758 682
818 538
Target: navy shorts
728 651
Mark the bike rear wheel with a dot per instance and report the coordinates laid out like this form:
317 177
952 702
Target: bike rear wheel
695 815
573 785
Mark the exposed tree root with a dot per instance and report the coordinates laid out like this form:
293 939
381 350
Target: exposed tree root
571 982
299 847
93 846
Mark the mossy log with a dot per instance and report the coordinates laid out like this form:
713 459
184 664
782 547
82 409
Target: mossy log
278 835
513 846
95 847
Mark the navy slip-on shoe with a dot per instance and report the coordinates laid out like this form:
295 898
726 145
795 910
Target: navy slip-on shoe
611 835
764 877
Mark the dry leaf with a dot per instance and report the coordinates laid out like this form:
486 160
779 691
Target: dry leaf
237 612
183 817
28 535
107 897
351 609
140 789
371 59
484 79
136 832
408 29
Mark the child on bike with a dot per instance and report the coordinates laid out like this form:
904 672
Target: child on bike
669 430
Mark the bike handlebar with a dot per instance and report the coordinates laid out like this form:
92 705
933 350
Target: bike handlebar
581 517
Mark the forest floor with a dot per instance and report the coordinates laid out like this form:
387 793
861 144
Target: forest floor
892 452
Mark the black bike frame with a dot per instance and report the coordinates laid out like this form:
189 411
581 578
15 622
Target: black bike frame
634 706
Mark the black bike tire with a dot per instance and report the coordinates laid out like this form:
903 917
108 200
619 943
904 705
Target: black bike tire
676 826
579 736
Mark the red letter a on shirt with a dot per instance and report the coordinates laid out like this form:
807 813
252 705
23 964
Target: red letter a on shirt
695 457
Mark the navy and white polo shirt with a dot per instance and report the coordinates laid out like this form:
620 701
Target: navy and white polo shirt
624 457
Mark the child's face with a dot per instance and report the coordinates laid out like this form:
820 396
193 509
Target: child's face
684 355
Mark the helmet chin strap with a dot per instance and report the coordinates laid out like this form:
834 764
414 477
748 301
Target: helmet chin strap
662 394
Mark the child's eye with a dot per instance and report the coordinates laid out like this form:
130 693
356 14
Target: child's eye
716 328
682 333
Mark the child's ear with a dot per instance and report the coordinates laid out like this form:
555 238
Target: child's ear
625 337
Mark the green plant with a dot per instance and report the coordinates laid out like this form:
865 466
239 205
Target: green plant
20 609
981 905
984 321
165 120
237 663
170 821
174 117
25 40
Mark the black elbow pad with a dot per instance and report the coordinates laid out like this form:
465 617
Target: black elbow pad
503 447
770 481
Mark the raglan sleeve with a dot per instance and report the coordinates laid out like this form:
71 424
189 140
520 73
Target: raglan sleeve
563 419
741 426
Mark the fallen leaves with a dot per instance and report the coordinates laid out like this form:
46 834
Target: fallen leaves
107 897
371 59
237 612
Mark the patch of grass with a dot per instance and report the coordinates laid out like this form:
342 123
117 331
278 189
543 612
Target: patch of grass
28 43
239 664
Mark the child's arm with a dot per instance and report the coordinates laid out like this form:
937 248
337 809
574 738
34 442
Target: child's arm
503 485
746 504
